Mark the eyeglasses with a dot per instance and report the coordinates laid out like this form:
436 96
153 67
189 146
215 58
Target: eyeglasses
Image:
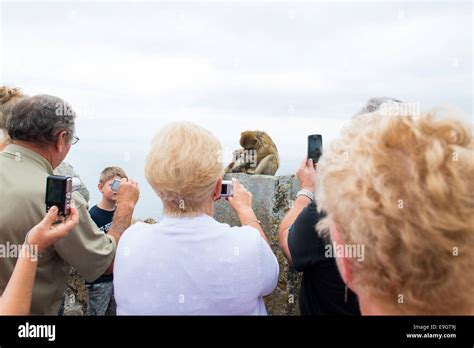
74 140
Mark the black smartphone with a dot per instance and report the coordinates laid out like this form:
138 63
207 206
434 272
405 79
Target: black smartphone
315 147
59 193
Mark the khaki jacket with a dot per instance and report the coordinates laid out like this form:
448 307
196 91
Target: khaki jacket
23 174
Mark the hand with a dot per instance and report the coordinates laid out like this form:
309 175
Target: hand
242 199
128 193
47 232
306 175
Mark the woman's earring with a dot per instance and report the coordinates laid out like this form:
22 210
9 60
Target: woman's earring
345 295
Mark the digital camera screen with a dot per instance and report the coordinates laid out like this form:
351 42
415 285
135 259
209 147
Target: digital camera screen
55 191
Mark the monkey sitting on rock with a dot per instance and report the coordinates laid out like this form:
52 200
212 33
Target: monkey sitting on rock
259 155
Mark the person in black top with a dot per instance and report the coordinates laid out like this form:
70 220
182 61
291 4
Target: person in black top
101 299
102 217
322 290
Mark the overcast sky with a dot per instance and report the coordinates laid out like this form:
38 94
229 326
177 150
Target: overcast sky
289 68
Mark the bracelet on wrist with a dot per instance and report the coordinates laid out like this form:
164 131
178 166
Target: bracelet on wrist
249 222
306 193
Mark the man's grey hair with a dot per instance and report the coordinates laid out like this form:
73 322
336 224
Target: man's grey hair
375 103
40 119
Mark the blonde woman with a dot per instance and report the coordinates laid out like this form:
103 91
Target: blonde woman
189 263
398 192
9 97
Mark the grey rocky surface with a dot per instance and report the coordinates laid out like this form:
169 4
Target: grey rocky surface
67 169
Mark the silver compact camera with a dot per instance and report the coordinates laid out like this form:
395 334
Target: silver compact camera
115 186
227 188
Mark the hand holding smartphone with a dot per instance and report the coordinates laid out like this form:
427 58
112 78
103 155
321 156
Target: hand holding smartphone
315 147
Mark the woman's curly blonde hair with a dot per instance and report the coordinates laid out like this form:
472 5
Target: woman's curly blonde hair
9 97
403 187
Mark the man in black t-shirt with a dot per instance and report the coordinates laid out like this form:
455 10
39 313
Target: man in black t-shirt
101 299
322 289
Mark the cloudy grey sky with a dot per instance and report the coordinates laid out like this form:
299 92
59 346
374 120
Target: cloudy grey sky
289 68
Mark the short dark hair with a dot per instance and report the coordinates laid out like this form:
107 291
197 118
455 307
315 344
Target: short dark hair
40 119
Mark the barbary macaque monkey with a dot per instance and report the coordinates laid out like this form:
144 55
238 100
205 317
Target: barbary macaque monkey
259 155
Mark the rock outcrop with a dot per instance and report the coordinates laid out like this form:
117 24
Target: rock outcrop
66 169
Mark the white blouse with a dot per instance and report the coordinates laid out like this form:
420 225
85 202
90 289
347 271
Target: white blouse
193 266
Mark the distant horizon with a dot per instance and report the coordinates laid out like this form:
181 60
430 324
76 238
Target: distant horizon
287 68
149 205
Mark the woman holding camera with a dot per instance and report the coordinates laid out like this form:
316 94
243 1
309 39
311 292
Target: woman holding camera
189 263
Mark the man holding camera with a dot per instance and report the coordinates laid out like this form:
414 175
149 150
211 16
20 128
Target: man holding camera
41 129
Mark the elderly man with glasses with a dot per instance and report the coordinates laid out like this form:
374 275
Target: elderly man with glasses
42 130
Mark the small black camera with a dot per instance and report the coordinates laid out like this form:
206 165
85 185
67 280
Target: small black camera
59 194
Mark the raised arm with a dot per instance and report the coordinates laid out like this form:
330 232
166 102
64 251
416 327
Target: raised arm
241 202
306 175
127 198
16 299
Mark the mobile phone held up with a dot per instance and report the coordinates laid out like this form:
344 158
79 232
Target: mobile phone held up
59 194
315 147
